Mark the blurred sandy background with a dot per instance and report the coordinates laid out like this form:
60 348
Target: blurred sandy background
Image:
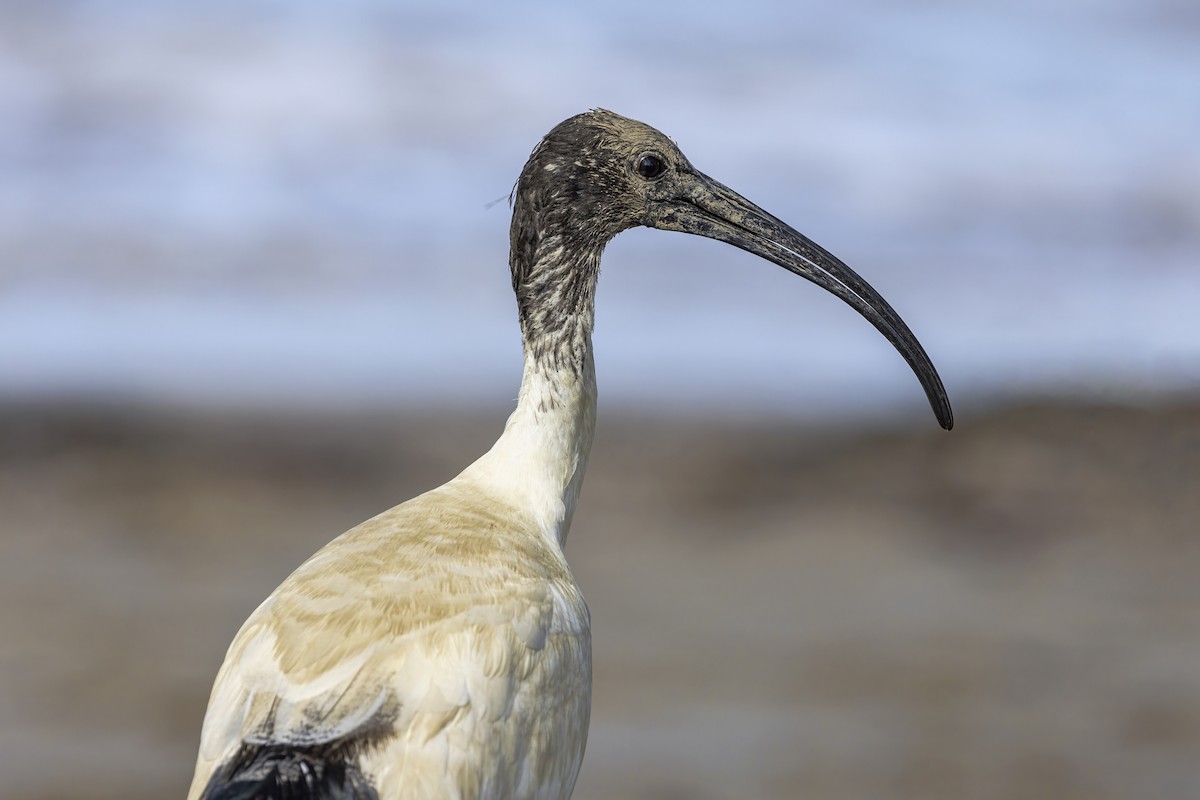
251 294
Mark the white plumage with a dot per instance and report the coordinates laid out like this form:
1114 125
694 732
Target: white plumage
450 622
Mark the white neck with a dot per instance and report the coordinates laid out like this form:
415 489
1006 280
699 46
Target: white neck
538 463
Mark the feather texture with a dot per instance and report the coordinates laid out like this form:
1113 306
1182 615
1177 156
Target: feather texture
280 772
443 645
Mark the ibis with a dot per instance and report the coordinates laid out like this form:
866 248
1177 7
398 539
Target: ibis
441 650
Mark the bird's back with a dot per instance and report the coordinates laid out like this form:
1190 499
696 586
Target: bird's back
440 649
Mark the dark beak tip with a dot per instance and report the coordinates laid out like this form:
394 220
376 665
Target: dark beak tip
944 414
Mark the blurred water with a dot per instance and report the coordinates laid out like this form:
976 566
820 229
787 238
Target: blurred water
285 202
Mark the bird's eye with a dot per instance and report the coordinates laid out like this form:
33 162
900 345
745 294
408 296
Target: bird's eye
650 166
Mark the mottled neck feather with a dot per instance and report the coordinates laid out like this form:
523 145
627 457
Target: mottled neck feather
538 463
555 264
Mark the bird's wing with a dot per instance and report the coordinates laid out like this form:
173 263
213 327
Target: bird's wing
396 626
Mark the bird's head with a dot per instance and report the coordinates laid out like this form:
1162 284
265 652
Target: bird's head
598 173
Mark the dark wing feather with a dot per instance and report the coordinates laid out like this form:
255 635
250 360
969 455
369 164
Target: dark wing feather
287 772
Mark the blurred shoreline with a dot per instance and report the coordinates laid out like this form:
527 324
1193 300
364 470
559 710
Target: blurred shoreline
780 609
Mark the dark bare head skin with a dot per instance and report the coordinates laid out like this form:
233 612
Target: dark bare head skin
597 174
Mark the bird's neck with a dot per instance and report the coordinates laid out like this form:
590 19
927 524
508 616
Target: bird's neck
539 461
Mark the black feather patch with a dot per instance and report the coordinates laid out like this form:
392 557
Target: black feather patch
287 772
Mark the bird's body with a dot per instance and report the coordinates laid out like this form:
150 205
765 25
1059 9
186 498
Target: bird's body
447 632
441 650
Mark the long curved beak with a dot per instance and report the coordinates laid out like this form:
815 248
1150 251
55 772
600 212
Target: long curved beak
697 204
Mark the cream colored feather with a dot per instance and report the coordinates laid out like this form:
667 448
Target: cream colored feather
447 632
